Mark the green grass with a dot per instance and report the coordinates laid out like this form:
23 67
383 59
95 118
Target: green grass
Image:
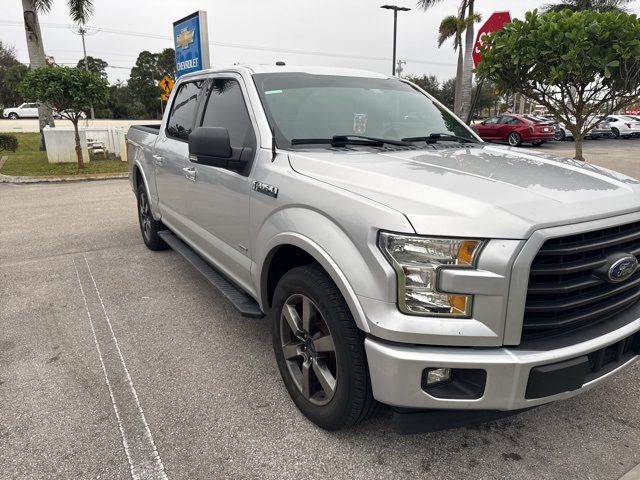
29 161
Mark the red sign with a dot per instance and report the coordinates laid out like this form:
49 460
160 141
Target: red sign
633 112
496 21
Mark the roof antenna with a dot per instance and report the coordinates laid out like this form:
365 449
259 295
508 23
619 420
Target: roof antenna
273 145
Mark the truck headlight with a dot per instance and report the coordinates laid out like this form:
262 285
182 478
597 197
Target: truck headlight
417 260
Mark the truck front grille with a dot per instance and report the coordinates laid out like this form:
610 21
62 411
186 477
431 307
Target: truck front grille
564 293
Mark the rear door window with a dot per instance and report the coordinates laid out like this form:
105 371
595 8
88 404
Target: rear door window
183 110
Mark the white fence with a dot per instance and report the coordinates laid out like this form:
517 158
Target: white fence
61 142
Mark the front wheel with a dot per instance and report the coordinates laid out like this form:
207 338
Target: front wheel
514 139
615 132
319 350
149 226
559 135
13 116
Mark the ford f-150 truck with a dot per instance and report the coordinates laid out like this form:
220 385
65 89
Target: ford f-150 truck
399 259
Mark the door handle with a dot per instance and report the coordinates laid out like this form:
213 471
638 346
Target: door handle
158 160
191 173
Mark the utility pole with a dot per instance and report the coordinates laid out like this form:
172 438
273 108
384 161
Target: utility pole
82 33
395 9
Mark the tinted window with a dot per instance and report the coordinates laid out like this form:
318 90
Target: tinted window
183 110
491 121
226 108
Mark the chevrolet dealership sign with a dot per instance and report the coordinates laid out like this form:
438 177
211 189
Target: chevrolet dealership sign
191 42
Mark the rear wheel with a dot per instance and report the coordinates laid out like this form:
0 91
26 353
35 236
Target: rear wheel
319 350
514 139
149 227
559 135
13 116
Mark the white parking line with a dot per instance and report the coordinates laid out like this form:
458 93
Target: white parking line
139 447
633 474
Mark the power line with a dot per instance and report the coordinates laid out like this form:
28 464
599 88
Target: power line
238 45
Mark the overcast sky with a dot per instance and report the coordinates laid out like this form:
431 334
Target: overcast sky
352 33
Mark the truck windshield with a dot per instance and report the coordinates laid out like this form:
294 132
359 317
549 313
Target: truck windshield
302 107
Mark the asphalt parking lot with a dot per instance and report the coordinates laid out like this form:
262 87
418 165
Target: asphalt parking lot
197 387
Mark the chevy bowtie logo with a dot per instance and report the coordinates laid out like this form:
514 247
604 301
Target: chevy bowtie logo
185 38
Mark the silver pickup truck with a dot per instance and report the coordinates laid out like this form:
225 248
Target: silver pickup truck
399 259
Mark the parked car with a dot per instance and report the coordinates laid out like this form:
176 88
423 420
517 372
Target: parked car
26 110
516 129
602 129
624 126
399 259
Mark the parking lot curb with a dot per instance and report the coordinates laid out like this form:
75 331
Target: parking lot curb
633 474
68 178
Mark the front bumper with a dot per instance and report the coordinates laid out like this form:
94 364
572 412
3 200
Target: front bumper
397 370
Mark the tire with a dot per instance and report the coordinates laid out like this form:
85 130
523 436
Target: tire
13 116
328 346
615 132
514 139
559 135
149 227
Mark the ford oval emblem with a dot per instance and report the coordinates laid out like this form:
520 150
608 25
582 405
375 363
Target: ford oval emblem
622 269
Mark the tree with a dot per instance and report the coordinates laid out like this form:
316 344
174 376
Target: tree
69 90
617 6
429 83
465 11
95 65
448 93
591 64
11 72
453 27
148 70
80 11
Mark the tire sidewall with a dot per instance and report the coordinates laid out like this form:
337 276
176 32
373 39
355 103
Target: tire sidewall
139 195
334 414
514 135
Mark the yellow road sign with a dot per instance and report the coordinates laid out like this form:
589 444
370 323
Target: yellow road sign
166 85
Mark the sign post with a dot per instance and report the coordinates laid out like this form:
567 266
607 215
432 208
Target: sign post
495 22
191 41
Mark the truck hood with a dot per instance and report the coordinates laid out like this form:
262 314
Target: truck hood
478 190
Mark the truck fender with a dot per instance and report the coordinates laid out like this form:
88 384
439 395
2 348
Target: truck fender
330 247
153 197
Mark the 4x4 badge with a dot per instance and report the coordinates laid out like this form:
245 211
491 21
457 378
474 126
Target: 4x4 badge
265 188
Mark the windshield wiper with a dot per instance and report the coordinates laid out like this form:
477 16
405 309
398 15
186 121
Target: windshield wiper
434 137
342 140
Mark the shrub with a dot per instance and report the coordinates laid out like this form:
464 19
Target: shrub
8 142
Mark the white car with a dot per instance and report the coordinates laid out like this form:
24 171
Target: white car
624 126
601 129
26 110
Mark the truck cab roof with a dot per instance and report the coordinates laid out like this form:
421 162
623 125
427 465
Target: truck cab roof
273 68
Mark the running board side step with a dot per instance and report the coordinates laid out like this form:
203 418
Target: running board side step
243 303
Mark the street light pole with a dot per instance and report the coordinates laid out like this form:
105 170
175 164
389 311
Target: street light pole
395 9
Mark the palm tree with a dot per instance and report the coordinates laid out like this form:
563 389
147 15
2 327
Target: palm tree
580 5
466 86
453 27
80 11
